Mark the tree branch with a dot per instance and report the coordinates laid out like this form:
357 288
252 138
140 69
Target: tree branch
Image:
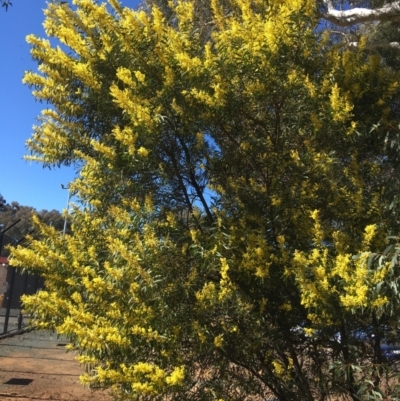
394 45
388 12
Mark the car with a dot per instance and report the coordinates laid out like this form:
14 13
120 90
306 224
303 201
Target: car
390 340
391 351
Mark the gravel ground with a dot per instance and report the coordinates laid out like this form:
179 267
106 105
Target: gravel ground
35 366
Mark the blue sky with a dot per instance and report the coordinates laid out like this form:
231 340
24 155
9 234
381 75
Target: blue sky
22 181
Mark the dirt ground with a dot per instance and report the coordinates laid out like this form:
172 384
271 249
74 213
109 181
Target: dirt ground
50 373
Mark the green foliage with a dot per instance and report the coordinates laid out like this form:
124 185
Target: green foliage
234 201
3 203
16 222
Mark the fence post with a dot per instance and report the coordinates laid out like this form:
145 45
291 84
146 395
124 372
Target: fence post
9 298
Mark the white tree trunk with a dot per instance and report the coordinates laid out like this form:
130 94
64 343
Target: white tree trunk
394 45
388 12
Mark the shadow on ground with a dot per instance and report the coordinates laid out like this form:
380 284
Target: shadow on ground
35 366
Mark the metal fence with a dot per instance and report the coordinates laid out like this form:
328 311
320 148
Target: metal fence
15 285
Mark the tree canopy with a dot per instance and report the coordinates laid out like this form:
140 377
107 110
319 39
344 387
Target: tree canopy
238 217
16 222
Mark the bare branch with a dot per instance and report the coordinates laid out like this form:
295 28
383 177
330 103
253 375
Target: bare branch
394 45
5 4
388 12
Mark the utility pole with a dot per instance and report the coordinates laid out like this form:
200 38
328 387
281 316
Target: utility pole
68 200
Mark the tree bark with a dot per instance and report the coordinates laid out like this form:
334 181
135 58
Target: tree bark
345 18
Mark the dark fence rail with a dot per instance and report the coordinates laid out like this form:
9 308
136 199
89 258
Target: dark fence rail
14 284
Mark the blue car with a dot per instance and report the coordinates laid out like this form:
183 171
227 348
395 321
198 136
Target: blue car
390 343
391 351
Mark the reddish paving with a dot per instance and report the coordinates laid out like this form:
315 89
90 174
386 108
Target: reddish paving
38 356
